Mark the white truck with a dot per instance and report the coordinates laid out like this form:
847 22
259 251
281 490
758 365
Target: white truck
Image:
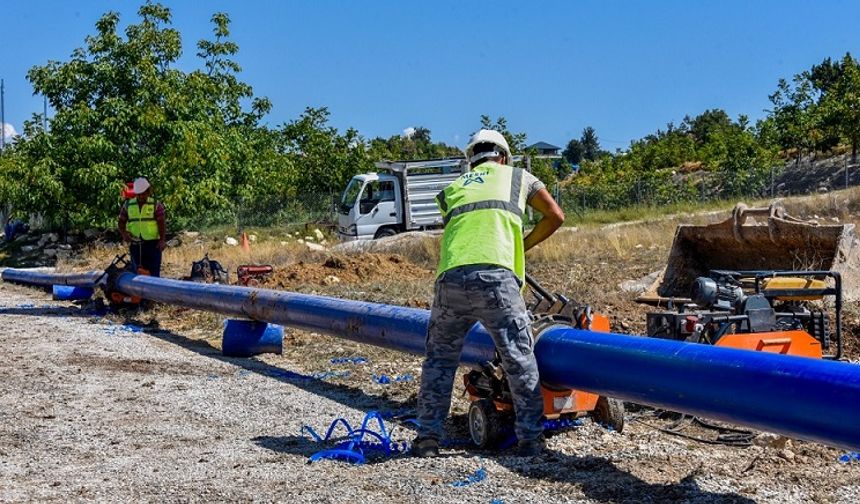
397 198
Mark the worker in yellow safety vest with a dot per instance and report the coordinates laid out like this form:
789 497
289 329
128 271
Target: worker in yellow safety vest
142 224
480 278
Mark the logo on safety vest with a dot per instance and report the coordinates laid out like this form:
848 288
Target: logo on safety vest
475 176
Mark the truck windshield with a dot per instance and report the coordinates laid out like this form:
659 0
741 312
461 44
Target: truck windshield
350 194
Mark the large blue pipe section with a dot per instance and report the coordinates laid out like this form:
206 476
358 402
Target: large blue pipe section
395 327
812 399
800 397
48 279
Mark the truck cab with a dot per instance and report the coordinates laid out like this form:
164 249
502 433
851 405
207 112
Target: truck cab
368 207
400 197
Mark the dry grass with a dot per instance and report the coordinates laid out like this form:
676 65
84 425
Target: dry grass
843 204
177 260
602 242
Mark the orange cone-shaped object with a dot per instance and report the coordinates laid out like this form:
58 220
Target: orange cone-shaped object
246 245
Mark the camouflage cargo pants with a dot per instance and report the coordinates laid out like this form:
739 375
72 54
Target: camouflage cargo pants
489 295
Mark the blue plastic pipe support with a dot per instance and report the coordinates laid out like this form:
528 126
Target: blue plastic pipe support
806 398
71 293
245 338
48 279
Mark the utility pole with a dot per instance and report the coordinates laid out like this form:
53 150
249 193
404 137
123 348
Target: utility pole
2 115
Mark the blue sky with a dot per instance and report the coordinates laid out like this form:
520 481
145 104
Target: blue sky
551 68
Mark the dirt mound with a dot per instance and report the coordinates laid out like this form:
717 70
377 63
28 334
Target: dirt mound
367 267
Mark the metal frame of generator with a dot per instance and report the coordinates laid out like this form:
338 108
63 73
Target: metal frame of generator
758 310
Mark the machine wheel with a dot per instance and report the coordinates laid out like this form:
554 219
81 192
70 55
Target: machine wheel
609 412
485 423
384 232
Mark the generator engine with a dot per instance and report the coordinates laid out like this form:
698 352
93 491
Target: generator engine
775 309
707 293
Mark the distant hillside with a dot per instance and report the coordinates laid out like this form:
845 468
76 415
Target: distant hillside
816 174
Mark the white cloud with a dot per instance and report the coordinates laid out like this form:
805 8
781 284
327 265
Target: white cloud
9 132
408 132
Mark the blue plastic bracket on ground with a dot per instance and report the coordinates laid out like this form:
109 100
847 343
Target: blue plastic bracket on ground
849 457
71 293
476 477
349 360
387 380
322 375
354 447
246 338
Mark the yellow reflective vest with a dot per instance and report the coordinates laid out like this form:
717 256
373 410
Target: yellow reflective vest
482 211
141 220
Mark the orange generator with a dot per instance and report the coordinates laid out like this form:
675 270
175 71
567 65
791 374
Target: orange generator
783 312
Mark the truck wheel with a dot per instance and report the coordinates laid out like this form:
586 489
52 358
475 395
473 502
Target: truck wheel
610 413
383 232
485 423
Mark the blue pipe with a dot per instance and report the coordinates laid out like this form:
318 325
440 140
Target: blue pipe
813 399
47 279
800 397
394 327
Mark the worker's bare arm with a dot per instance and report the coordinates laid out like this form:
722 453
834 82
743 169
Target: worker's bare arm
123 219
553 218
162 232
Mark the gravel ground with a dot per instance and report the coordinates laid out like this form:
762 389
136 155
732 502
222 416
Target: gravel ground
89 411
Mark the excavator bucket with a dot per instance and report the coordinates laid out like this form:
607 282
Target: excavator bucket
771 240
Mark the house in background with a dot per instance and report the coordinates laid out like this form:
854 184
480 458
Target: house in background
545 150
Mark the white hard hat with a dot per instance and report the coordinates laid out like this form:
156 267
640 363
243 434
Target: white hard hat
491 137
140 185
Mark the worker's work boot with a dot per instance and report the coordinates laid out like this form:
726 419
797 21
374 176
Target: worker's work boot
425 447
530 448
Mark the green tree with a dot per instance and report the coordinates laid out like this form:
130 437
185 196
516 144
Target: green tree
796 115
841 104
563 168
706 124
543 169
516 141
590 144
327 159
825 74
123 109
418 145
574 151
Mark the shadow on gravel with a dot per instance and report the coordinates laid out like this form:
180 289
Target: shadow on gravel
343 394
45 311
293 445
601 480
